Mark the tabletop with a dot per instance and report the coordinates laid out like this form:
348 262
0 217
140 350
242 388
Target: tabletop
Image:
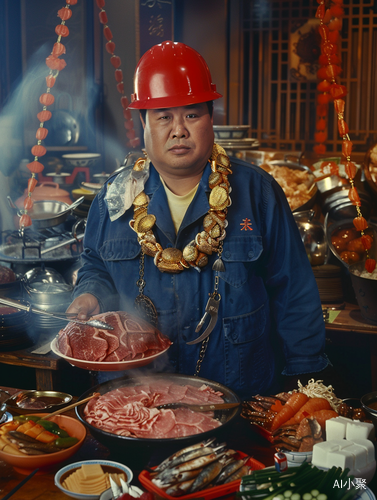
241 436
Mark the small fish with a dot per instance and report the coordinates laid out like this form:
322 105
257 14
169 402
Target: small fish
168 460
243 471
194 464
229 469
27 442
206 476
186 457
177 478
179 489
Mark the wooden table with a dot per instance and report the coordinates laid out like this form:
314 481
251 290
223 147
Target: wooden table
45 366
349 328
242 437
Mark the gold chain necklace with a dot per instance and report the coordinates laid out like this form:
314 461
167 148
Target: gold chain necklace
208 241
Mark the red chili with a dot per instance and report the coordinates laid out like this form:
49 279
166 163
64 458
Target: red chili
120 87
107 33
115 61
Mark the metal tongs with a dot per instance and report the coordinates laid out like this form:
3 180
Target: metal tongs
23 307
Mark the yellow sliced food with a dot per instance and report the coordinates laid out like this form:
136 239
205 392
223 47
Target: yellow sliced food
35 431
91 470
26 426
90 479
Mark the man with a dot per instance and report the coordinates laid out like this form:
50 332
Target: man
187 232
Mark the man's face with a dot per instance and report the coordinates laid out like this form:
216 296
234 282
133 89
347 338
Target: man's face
179 140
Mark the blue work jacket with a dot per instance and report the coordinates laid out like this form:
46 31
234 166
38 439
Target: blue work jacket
270 317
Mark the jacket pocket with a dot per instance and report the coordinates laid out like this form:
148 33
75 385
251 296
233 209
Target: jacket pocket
249 359
238 254
119 249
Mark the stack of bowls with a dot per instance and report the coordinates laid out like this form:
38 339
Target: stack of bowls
46 289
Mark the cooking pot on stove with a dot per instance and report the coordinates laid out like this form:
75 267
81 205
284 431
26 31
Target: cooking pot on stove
46 191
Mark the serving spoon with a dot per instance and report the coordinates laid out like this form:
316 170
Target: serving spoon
91 322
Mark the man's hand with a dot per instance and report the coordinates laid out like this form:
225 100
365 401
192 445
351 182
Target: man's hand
85 306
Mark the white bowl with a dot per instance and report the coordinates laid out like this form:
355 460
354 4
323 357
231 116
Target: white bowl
81 159
71 467
295 458
230 131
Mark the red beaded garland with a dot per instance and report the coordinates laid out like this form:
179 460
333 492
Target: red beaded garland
330 14
115 60
55 64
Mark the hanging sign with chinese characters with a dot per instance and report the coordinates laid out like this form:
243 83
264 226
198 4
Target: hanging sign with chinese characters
155 21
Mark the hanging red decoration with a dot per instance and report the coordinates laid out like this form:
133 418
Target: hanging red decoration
330 14
46 99
133 141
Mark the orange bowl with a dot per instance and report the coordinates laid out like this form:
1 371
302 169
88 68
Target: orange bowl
25 464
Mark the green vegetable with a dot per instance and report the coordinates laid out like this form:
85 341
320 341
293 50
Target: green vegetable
25 418
306 482
65 442
53 427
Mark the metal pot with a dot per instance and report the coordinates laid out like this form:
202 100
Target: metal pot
51 213
145 448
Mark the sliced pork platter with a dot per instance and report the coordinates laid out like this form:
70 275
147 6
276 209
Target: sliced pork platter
131 410
125 415
131 339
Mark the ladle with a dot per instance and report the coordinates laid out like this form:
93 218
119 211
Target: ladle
92 322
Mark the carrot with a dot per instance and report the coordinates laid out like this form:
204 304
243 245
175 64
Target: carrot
280 418
322 415
312 405
291 407
297 400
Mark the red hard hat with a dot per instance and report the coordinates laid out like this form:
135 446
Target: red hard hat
172 74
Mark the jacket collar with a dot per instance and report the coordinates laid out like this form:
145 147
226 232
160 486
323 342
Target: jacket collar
159 207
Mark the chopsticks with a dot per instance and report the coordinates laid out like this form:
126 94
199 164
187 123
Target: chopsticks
16 488
69 407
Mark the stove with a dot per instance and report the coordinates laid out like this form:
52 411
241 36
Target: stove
61 243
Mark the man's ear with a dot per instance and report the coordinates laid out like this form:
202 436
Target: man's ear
142 121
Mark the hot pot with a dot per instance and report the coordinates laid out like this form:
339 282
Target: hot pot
145 450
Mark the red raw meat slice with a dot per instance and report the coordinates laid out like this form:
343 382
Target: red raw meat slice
131 338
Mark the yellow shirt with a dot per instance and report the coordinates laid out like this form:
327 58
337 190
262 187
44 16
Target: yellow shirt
178 204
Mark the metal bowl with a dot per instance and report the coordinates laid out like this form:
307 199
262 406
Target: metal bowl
331 227
297 166
366 401
50 400
144 449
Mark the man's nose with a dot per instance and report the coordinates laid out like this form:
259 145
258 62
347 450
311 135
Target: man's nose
179 130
